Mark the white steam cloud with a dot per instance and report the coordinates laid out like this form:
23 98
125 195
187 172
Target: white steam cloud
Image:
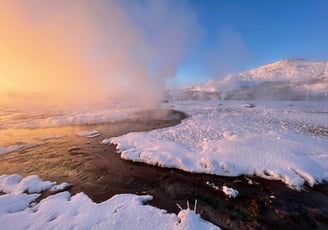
100 51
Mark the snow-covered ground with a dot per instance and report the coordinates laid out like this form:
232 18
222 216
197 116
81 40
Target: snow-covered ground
279 140
18 209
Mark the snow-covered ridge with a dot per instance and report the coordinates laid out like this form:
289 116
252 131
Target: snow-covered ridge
288 70
291 79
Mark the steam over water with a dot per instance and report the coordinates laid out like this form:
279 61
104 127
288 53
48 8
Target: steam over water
77 52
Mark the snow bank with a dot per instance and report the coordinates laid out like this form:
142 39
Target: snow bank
276 141
63 211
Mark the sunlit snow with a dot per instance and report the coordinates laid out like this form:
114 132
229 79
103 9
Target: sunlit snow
230 192
18 209
285 141
291 79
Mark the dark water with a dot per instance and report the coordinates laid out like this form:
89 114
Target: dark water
98 171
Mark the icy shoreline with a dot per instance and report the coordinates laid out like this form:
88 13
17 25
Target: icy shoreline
277 140
64 211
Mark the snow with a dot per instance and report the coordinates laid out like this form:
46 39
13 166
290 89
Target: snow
284 141
16 184
212 185
50 137
230 192
289 69
291 79
18 210
60 187
188 219
14 148
21 117
12 203
278 129
88 133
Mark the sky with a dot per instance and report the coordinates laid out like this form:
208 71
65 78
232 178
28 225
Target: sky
59 51
240 35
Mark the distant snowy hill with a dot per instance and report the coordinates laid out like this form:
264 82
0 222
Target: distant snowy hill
291 79
290 69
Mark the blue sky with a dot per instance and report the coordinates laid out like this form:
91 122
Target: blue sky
239 35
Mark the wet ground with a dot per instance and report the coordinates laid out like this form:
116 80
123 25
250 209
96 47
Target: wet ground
98 171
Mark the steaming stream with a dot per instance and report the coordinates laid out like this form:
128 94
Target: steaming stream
59 154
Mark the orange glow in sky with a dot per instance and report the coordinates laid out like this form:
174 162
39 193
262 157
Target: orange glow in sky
63 52
42 58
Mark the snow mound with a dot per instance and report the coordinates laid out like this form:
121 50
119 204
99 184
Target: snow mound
230 192
188 219
60 187
16 184
279 141
63 211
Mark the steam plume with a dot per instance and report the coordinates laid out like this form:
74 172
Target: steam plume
60 52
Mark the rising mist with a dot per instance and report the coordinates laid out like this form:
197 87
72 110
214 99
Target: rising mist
75 52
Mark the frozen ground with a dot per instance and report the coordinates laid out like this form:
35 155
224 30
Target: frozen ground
278 140
18 209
